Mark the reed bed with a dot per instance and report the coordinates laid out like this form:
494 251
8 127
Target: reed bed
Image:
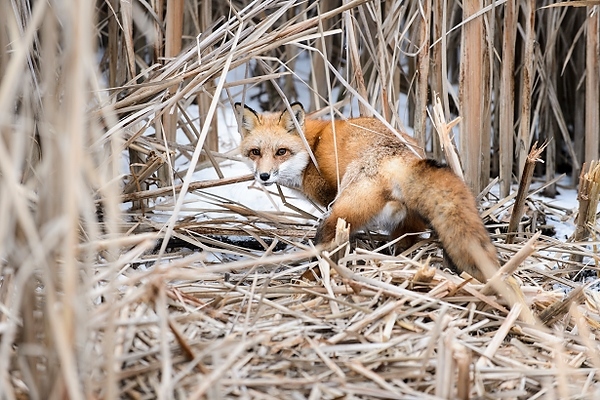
122 276
259 313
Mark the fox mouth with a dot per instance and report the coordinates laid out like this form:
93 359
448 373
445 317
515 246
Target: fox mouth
265 183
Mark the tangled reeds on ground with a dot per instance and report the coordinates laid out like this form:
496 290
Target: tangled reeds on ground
286 322
96 302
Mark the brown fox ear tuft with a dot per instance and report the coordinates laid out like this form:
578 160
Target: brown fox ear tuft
287 121
247 118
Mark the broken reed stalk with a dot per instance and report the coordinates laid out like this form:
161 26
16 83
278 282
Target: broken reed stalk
559 309
524 184
443 130
153 163
588 196
463 358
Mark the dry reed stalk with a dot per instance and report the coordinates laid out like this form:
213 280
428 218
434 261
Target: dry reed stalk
473 84
127 21
592 85
522 192
422 65
319 76
489 25
172 48
383 66
444 130
203 98
438 73
354 57
148 194
507 94
557 310
504 283
588 196
527 77
50 225
112 47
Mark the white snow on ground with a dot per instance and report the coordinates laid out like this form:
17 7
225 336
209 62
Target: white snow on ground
566 198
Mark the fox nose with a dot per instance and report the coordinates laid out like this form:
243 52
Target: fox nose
265 176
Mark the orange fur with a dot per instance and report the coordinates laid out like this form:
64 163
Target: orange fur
367 175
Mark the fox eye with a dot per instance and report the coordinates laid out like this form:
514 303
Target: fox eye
255 152
281 152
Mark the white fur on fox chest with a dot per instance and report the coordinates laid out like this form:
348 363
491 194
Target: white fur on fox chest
291 171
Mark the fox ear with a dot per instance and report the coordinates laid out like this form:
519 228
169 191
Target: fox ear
247 118
287 121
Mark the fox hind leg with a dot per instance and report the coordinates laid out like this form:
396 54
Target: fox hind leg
358 204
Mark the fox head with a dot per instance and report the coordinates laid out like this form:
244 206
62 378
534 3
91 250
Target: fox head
272 142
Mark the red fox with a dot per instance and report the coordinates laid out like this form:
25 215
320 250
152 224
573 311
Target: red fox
368 176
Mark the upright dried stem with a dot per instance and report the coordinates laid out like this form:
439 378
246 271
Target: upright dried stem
422 61
527 77
588 196
507 93
592 85
472 86
519 206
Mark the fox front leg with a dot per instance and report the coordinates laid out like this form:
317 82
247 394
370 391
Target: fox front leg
358 204
326 230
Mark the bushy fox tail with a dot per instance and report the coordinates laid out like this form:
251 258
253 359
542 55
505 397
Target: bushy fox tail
441 198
